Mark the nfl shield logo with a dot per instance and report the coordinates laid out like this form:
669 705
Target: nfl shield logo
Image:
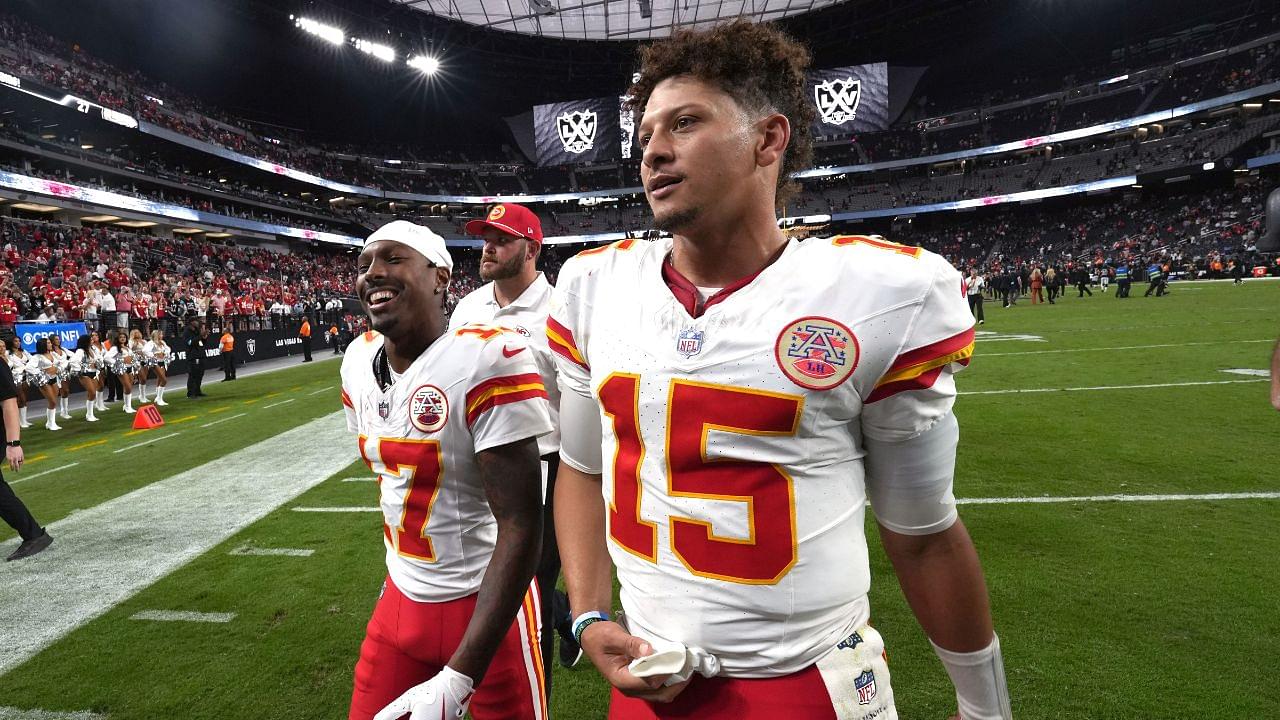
384 409
865 684
577 130
689 343
837 99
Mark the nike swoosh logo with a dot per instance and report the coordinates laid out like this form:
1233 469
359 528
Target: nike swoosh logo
508 352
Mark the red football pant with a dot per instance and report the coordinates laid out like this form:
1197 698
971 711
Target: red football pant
801 695
408 642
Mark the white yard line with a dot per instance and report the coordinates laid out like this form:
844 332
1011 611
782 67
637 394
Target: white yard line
106 554
337 509
272 552
1107 387
1120 498
147 442
215 422
41 474
323 389
183 616
360 479
13 713
1126 347
282 402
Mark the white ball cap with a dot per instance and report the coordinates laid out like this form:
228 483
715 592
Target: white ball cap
422 239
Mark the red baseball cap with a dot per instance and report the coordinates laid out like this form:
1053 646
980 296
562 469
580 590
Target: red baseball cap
510 218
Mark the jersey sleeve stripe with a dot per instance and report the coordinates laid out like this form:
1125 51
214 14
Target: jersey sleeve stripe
504 396
913 358
922 381
961 356
346 399
562 343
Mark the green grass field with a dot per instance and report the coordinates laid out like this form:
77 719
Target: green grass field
1105 609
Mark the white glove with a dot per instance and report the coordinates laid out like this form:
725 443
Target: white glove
444 696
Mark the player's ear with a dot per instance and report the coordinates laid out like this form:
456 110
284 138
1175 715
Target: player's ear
773 133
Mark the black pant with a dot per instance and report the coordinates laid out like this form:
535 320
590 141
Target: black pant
228 365
306 348
195 376
1123 291
1083 287
16 514
549 569
1152 288
336 345
975 307
114 389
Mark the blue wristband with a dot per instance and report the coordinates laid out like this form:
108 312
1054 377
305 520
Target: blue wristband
581 622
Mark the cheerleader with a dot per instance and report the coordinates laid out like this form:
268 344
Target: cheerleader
20 364
121 361
83 366
64 376
46 379
138 346
157 353
98 353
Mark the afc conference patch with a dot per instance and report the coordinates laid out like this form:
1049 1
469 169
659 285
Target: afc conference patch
428 408
865 684
817 353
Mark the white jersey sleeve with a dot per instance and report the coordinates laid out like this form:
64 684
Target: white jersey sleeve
567 321
918 389
506 400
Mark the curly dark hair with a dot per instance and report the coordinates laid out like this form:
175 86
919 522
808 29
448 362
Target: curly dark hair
759 66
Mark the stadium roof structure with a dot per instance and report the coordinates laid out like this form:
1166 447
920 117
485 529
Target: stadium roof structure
609 19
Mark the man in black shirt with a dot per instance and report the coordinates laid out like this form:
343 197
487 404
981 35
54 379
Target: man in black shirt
16 514
197 338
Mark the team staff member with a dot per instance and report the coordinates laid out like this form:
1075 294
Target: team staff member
305 333
12 510
454 417
228 343
517 297
747 395
974 287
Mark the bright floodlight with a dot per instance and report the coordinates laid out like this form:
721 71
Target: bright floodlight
425 63
327 33
382 52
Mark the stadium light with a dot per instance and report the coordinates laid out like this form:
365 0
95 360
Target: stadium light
382 52
328 33
425 63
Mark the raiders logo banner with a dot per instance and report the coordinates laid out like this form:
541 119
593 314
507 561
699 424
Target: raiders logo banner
852 99
580 131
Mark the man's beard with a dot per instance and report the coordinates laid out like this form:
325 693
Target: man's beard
675 219
503 271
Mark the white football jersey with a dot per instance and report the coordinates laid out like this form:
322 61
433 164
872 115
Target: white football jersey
473 389
732 442
526 315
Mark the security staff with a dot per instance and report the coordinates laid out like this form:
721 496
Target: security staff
197 334
228 343
305 334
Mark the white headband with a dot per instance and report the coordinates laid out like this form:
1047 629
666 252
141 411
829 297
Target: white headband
422 239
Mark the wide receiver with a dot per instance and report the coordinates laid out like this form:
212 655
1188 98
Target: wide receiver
449 422
732 399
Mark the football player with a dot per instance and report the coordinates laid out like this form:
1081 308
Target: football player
449 422
516 297
731 400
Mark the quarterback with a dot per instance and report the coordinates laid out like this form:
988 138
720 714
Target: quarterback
732 401
449 421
